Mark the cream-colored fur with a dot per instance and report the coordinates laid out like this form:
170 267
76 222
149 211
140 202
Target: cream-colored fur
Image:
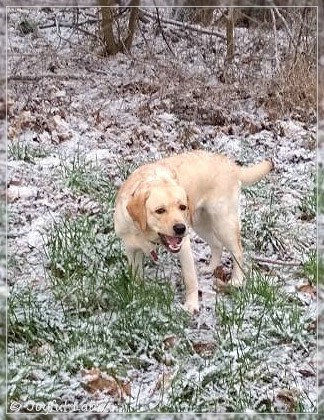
159 201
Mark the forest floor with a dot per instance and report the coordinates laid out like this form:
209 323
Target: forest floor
82 336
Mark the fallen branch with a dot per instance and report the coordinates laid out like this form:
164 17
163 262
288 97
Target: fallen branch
185 25
26 78
277 262
67 24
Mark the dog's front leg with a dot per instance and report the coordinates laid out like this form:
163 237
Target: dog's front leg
135 257
189 276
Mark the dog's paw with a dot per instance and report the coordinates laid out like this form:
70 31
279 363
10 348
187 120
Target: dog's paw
191 306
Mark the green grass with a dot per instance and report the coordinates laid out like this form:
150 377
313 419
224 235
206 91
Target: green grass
320 205
312 268
253 326
320 193
112 335
2 349
3 290
20 150
321 269
86 178
90 312
308 205
272 228
263 227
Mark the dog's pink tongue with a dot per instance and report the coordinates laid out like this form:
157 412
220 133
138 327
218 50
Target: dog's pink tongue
173 240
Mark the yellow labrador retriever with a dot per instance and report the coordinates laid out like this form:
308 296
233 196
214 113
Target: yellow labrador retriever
159 201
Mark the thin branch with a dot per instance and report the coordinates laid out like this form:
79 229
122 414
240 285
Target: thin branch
68 25
26 78
275 38
74 26
286 26
277 262
58 31
291 35
185 26
162 31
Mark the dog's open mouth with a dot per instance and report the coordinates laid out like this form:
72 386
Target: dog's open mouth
172 243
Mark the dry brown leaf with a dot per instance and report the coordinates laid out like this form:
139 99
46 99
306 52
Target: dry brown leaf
163 382
312 327
12 133
204 348
307 373
170 341
288 397
307 288
107 385
95 380
127 388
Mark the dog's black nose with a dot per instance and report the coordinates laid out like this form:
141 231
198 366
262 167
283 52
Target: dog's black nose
179 228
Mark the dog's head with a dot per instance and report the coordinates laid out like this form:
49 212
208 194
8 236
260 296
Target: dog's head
161 210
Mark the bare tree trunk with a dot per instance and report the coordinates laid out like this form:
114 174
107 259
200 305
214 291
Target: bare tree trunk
230 34
132 23
108 13
107 18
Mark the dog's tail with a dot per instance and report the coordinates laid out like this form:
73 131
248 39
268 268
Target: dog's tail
252 174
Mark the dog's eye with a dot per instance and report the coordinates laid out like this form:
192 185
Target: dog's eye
182 207
160 210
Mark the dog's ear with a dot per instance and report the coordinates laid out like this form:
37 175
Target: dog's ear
136 208
190 210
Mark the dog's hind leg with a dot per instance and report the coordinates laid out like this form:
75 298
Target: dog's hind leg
229 235
216 247
232 242
205 228
220 226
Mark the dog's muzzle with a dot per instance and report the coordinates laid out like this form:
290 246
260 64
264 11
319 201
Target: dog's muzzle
172 243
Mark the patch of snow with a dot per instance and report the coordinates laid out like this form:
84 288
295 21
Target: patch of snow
99 155
16 192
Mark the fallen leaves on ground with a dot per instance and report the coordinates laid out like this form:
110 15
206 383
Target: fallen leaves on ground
96 380
163 382
289 398
170 341
307 288
204 348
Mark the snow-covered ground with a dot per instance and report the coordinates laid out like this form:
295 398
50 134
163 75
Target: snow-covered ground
69 104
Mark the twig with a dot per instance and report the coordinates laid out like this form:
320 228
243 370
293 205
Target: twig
74 26
162 31
286 26
12 235
41 76
185 25
68 25
58 31
277 262
275 38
